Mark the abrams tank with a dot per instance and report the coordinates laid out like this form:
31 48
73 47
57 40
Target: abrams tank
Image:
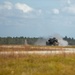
52 42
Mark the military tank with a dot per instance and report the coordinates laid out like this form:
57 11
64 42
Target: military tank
52 42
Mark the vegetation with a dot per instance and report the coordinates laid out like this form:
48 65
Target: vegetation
20 48
37 64
17 40
31 41
71 41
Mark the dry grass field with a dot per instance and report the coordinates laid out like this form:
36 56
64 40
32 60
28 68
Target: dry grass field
37 64
31 48
34 64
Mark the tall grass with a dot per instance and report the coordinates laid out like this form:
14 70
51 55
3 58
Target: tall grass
37 64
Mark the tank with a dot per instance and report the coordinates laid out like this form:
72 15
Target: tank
52 42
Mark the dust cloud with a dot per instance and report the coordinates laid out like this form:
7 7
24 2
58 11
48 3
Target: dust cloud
42 41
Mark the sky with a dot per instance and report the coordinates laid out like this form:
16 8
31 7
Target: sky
36 18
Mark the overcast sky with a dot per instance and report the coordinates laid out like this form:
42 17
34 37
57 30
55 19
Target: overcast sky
35 18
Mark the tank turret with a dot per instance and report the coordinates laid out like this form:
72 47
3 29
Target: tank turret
52 42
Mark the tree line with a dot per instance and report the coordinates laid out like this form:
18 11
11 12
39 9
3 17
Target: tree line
31 41
71 41
17 40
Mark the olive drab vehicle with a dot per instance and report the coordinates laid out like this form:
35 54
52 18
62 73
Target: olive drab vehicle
52 42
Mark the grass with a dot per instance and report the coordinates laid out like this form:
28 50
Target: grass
37 64
63 64
31 48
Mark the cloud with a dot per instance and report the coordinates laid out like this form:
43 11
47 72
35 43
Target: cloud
70 9
40 11
6 5
19 10
68 2
55 11
23 7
